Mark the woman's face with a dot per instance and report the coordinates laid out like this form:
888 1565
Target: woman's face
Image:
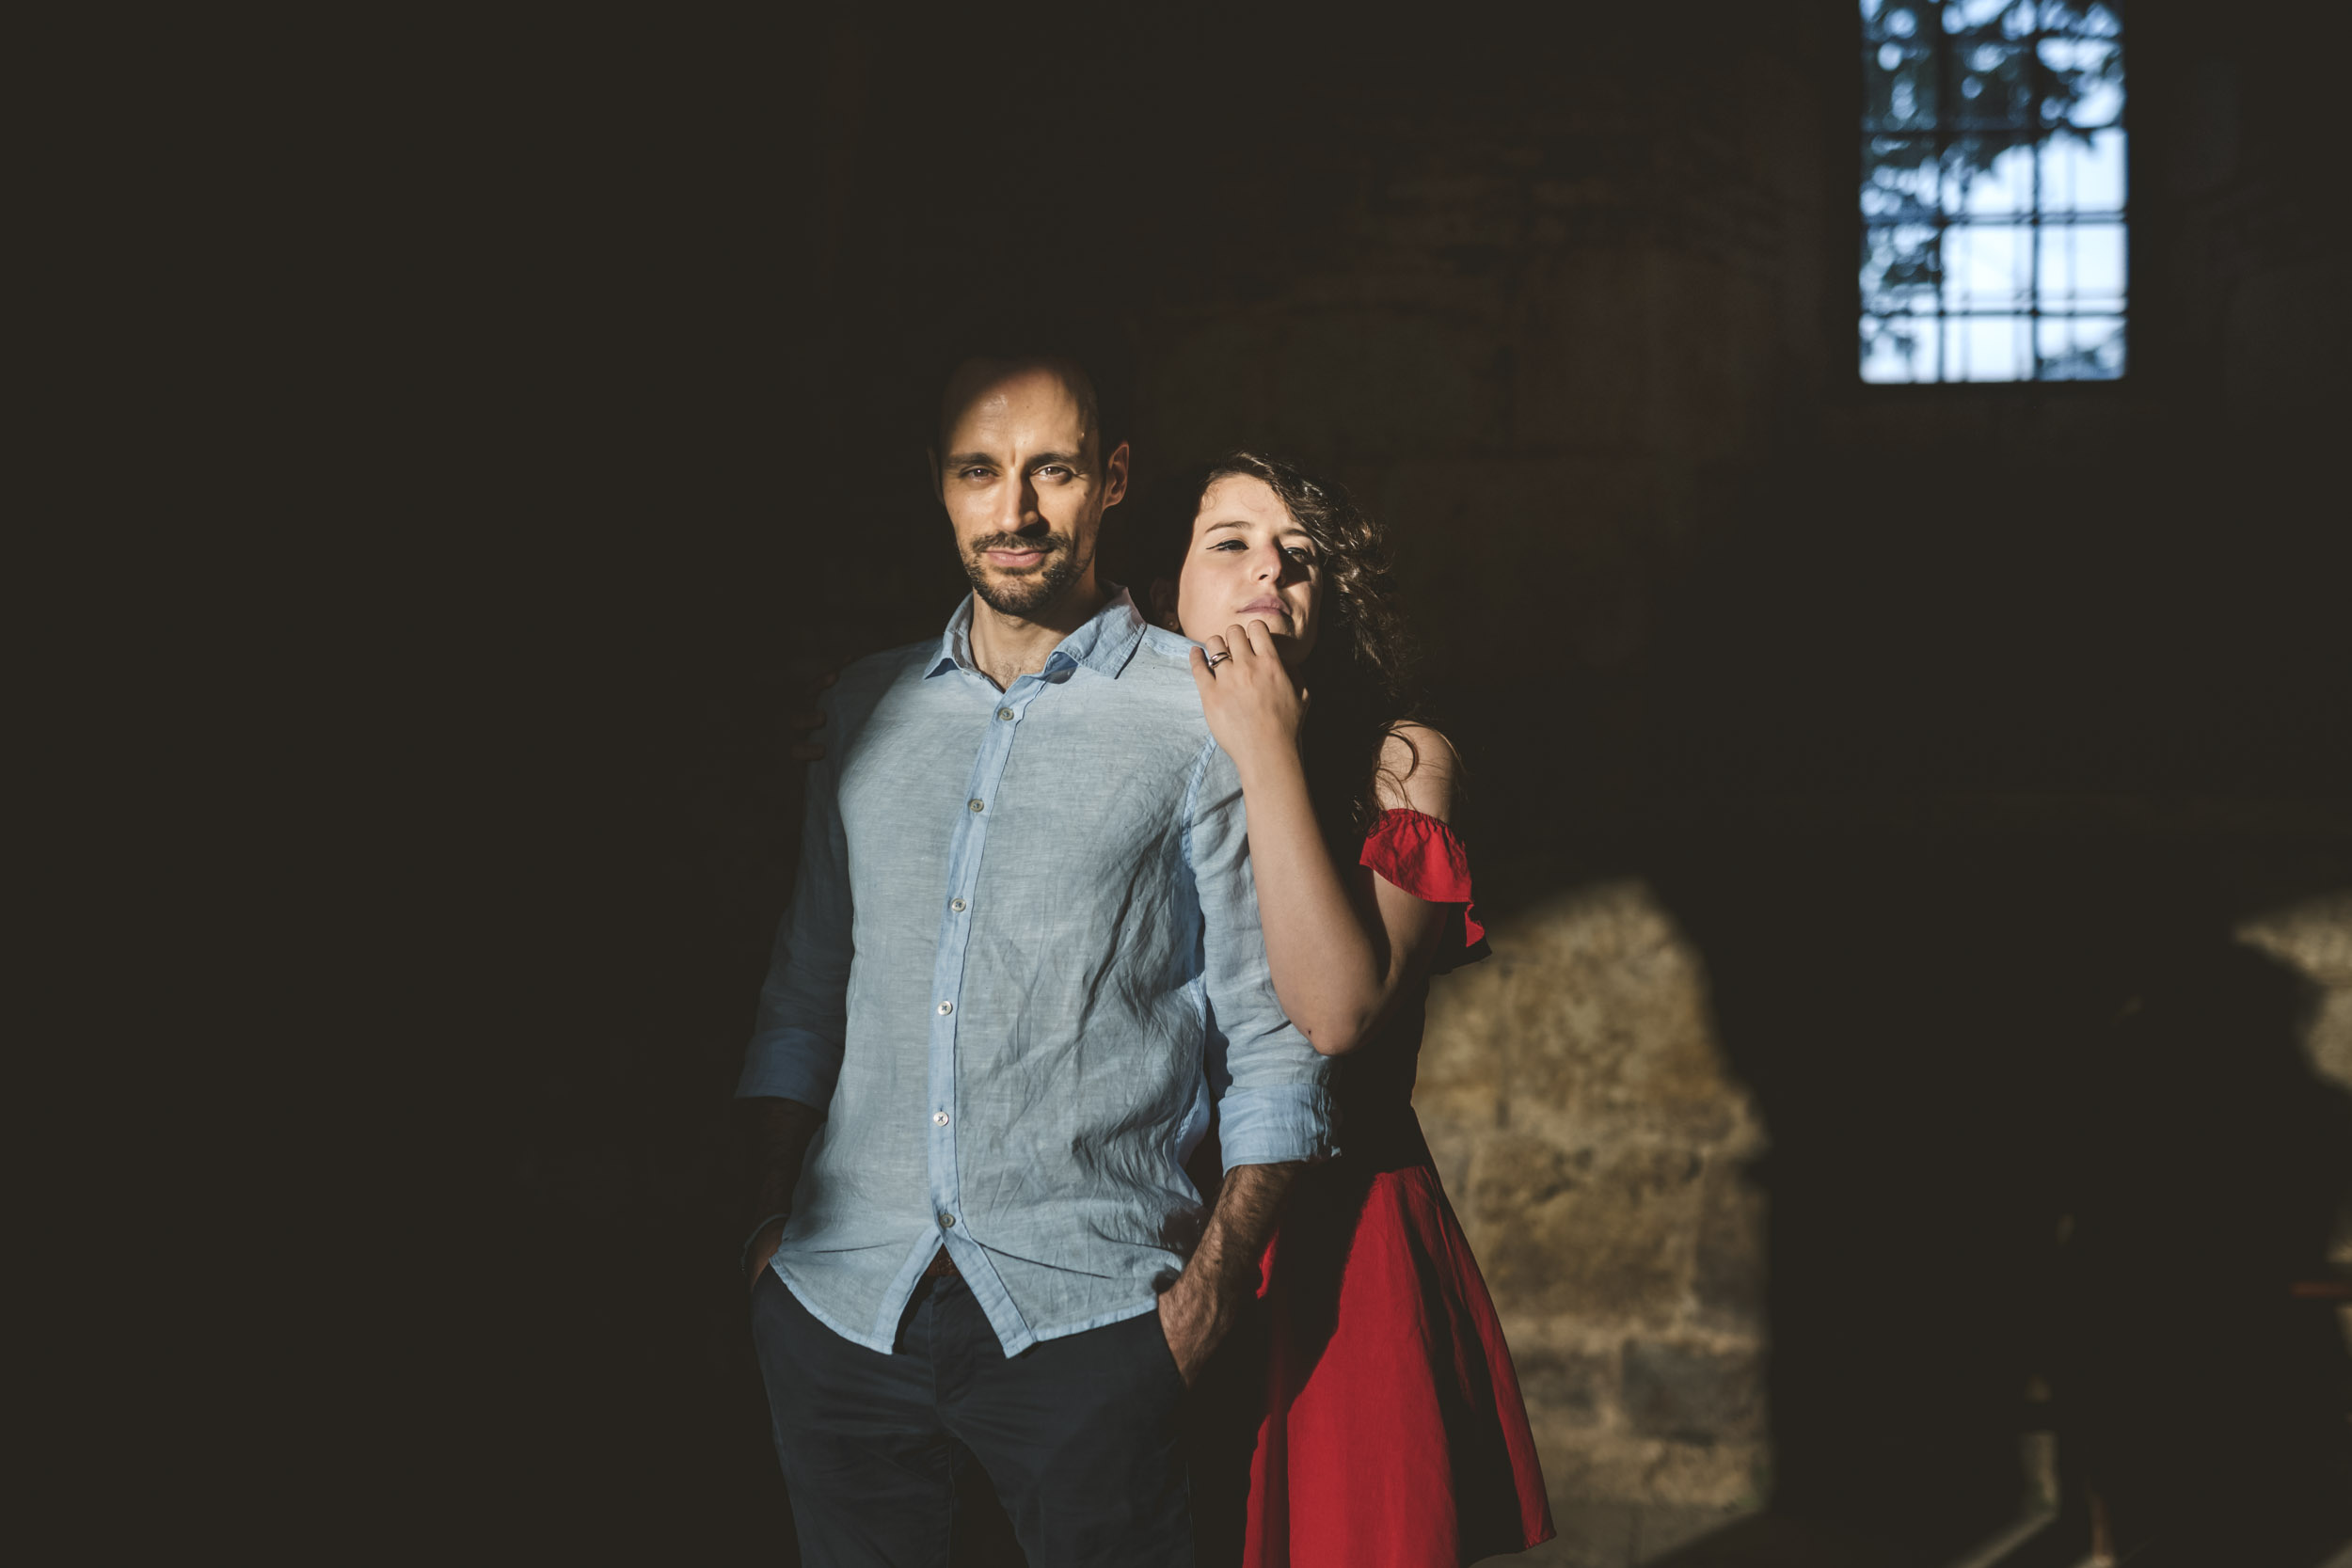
1251 560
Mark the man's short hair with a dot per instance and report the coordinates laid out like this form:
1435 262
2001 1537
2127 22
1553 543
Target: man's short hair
1090 358
980 367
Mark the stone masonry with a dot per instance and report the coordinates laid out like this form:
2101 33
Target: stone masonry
1594 1143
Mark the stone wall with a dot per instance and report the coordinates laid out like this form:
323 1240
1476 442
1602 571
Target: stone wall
1593 1140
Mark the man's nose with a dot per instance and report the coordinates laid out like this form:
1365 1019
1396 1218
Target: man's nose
1017 506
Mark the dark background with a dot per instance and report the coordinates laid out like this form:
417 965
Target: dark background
1947 719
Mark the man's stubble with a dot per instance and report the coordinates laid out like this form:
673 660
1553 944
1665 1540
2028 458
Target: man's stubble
1032 594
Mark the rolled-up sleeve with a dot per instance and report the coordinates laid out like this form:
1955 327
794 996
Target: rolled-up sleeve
1275 1104
795 1051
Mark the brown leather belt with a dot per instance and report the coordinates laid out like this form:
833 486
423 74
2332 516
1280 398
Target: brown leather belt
941 1266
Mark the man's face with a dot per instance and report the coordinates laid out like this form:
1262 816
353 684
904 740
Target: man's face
1024 483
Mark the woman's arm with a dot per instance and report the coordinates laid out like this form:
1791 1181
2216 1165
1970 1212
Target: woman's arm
1341 942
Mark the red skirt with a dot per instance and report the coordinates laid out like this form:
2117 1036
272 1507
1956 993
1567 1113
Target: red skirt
1393 1433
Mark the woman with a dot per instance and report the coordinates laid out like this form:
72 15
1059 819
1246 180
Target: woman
1391 1431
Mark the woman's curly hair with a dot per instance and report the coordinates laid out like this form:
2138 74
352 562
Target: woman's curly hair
1361 672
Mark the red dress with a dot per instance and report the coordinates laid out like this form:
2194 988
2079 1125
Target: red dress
1394 1436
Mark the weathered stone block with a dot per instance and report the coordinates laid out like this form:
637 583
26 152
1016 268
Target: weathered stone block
1600 1233
1693 1394
1727 1275
1597 1014
1572 1386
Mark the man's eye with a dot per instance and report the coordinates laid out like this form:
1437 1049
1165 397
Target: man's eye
1054 469
972 473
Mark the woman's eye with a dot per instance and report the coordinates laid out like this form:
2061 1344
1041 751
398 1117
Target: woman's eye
1229 546
1301 554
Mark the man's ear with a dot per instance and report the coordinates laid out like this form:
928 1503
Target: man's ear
1115 476
1164 604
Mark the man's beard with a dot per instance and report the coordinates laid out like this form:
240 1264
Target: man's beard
1035 591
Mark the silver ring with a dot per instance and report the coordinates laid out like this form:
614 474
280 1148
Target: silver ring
1218 657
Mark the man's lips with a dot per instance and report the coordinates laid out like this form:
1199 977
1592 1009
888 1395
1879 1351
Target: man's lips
1013 558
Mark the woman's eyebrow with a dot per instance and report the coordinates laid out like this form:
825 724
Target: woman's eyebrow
1230 522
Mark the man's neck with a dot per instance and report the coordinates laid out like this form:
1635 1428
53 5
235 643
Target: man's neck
1007 647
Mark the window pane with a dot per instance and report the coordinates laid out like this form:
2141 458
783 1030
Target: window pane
1988 175
1898 179
2083 174
1988 267
1899 86
1988 348
1898 270
2082 80
1880 20
2082 348
1996 86
1992 18
1898 349
2082 267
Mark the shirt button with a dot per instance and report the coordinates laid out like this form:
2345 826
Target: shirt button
955 904
1003 713
939 1119
946 1222
975 806
947 1008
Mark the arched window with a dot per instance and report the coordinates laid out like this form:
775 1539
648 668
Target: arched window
1993 191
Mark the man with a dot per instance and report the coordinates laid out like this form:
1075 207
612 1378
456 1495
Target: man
1021 960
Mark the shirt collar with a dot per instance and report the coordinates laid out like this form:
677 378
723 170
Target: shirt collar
1104 644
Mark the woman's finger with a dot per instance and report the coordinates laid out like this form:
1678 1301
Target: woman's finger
1261 639
1203 673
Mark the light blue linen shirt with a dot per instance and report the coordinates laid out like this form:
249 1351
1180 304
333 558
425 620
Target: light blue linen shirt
1021 958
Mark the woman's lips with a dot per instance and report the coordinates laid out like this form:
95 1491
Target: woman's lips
1265 606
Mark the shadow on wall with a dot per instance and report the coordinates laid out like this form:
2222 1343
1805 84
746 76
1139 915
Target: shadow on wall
2040 1128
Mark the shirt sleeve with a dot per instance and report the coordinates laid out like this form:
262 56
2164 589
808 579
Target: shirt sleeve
1275 1099
795 1051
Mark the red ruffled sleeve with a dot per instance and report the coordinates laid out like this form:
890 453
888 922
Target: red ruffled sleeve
1420 854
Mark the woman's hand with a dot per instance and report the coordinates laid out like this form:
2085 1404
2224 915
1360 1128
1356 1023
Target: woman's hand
1253 705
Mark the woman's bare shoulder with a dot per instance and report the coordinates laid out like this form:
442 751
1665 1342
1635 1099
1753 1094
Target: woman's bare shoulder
1419 770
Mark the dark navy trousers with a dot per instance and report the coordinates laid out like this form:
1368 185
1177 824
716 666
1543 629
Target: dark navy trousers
1078 1436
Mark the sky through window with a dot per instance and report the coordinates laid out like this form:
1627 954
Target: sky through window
1994 246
